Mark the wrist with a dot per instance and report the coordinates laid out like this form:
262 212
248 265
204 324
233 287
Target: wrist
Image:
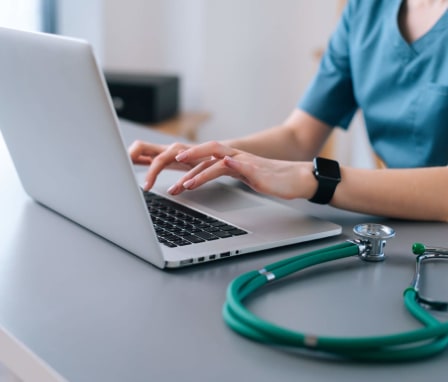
307 181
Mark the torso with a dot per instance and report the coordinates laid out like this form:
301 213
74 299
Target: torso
399 63
389 58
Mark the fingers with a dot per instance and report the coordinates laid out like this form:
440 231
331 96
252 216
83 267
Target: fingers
206 150
157 156
164 159
142 152
215 168
209 158
188 181
204 161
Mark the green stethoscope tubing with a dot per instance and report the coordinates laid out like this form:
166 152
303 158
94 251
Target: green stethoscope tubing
405 346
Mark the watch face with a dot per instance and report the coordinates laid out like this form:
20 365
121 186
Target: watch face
327 168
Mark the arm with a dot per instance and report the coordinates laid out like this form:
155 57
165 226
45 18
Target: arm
417 194
300 137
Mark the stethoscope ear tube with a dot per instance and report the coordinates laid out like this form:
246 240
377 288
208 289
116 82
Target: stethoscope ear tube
406 346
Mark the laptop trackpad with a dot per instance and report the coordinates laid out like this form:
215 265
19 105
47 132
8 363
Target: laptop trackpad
221 198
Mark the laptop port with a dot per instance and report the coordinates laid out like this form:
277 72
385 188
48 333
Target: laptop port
186 262
224 254
212 257
201 259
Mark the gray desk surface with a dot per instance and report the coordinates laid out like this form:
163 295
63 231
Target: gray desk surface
93 312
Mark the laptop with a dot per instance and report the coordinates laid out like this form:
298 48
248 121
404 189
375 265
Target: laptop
63 135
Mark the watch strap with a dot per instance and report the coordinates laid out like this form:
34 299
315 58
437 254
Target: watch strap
325 191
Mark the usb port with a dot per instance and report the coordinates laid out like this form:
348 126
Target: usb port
186 262
212 257
200 259
224 254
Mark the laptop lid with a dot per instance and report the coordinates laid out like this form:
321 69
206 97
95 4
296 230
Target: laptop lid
63 135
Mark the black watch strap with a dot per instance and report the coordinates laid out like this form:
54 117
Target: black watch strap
328 176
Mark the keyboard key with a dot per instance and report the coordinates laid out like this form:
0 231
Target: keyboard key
194 239
237 232
207 236
222 234
178 225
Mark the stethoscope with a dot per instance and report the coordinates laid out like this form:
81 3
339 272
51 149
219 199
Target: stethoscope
370 240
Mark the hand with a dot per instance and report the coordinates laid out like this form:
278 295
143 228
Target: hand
284 179
157 157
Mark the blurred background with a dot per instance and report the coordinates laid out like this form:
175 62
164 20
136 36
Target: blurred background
242 64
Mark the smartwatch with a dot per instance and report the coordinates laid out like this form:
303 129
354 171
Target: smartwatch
328 175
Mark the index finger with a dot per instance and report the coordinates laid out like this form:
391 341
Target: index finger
165 159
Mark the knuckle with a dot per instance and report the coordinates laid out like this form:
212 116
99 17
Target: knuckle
176 146
136 148
215 145
137 144
222 166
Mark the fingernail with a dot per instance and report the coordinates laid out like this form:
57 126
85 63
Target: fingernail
188 184
180 157
146 186
172 189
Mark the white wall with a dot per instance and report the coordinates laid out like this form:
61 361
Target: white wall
246 62
163 36
259 59
82 19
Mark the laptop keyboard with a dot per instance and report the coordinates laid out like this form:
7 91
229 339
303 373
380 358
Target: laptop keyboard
177 225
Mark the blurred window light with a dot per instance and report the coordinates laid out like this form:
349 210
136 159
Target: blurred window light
36 15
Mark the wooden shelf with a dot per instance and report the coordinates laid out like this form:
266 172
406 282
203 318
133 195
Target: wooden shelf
185 125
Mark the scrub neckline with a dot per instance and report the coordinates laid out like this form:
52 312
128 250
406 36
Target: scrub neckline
418 45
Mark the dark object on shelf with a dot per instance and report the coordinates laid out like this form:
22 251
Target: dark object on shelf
144 98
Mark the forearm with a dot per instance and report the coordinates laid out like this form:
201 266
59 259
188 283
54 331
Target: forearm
416 194
300 137
276 143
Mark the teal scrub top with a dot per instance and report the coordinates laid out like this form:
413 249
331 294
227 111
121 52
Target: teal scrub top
401 88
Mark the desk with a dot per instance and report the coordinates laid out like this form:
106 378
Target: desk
75 307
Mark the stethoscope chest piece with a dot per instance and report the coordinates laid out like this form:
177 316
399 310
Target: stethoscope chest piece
372 238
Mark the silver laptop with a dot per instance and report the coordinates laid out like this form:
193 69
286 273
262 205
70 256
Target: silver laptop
64 137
